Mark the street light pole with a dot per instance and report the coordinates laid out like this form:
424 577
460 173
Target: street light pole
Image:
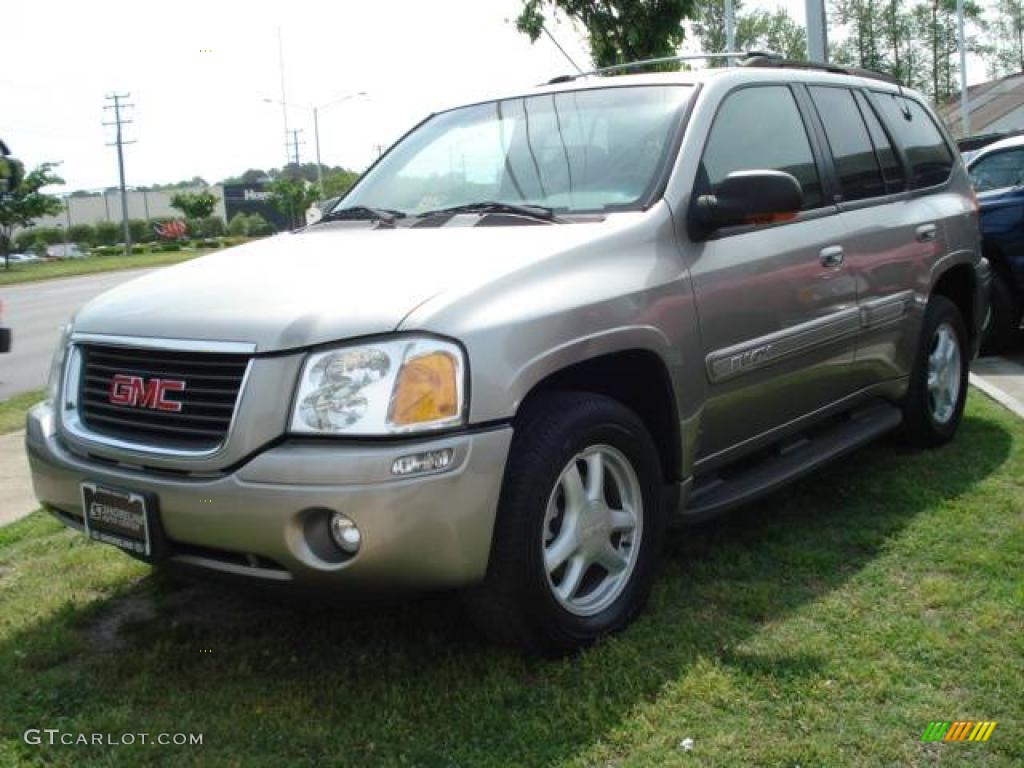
316 128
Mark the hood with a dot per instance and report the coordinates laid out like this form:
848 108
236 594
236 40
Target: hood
324 284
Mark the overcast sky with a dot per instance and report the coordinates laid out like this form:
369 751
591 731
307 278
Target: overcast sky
198 73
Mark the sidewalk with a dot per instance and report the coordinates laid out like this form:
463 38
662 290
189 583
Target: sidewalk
16 497
1002 379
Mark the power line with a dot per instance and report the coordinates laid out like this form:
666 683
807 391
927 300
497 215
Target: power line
119 142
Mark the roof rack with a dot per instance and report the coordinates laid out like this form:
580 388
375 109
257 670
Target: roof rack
662 60
744 59
776 61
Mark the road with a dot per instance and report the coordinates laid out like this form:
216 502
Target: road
36 312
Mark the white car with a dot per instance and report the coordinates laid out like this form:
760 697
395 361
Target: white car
22 258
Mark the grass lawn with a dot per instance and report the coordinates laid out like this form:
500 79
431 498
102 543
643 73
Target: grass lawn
826 625
13 410
45 270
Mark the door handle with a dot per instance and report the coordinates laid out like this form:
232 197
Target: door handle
832 256
925 233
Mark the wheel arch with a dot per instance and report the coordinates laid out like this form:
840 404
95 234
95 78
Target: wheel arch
637 377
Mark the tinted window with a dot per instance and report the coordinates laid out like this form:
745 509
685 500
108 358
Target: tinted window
892 171
856 164
999 170
929 157
760 129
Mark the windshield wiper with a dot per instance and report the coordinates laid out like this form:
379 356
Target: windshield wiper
362 212
491 206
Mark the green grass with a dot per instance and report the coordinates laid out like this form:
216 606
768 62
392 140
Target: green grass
826 625
13 410
46 270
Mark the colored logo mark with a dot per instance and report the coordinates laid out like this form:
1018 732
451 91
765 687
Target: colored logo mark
958 730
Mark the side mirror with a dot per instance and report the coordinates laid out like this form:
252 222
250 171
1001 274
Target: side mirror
11 170
750 197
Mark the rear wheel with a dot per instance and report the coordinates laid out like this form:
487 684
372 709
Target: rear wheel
580 525
935 398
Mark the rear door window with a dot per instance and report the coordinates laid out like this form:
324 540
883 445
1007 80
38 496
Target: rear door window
856 164
760 128
931 160
892 170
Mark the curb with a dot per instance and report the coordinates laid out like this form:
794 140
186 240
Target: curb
1005 399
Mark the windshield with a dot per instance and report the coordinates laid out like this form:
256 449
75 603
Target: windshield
573 151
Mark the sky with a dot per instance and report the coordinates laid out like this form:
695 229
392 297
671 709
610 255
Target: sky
198 74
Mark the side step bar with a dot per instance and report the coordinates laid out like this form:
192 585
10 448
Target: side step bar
766 471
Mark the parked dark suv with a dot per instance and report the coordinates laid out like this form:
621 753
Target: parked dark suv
997 172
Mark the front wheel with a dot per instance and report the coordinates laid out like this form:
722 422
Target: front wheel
579 529
935 398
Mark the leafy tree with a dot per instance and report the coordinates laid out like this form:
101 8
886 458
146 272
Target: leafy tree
758 30
195 205
20 206
292 197
1007 53
339 182
619 31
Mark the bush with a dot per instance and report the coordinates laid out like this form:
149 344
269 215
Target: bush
259 227
107 250
49 235
211 226
83 234
239 225
141 231
167 247
107 233
139 249
24 241
210 243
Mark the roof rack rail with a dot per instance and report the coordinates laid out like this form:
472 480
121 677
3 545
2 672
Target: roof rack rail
774 60
663 60
744 59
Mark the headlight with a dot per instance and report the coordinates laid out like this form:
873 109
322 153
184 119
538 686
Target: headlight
57 365
398 385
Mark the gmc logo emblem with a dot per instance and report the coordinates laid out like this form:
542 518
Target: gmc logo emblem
137 392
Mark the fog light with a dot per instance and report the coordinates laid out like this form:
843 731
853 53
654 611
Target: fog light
345 533
428 461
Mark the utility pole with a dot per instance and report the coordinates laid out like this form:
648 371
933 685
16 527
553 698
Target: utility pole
284 98
817 34
965 119
294 144
119 142
730 31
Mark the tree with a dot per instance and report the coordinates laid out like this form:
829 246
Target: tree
1007 53
619 31
195 205
339 182
292 197
26 202
758 30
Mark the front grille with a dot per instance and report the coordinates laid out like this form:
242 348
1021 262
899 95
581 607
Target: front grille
211 385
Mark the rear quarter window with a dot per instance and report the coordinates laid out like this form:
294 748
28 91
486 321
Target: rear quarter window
930 158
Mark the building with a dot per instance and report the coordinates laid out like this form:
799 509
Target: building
993 107
156 204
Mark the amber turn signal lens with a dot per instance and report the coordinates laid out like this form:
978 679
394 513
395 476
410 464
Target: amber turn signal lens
426 390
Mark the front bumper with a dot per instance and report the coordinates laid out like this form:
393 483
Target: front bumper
429 531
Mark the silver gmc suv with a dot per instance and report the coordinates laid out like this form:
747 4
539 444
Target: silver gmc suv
535 332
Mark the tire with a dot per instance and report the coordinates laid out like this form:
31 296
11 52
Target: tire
1003 326
545 515
931 415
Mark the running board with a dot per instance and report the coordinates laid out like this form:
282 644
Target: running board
753 476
